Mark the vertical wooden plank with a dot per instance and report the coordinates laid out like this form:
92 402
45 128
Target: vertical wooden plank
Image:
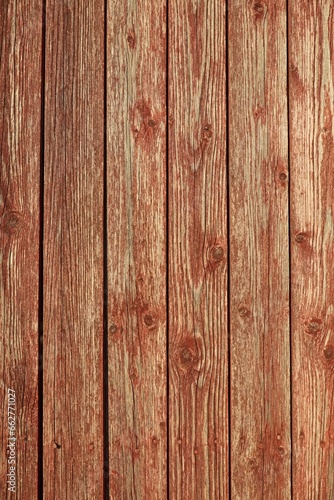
311 70
259 272
198 337
20 129
136 192
73 249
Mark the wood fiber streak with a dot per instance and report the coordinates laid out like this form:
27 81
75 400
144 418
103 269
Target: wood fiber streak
198 337
73 250
311 96
259 272
20 123
136 240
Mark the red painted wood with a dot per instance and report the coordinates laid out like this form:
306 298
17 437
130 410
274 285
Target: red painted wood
259 253
20 130
198 335
136 242
228 295
73 250
311 63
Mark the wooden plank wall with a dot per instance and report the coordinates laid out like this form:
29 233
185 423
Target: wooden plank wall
166 248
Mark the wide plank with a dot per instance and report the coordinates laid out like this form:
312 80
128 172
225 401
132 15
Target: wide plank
198 251
20 131
73 250
136 248
311 97
259 250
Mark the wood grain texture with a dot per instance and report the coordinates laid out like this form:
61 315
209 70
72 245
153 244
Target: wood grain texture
259 263
311 70
73 250
136 240
20 123
198 337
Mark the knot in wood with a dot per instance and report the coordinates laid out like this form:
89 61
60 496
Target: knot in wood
244 312
131 40
207 132
151 123
148 320
12 222
300 237
280 450
251 463
313 326
186 356
329 352
217 253
112 328
134 376
283 176
259 9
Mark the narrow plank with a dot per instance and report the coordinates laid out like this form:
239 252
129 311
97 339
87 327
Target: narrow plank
198 336
73 249
20 129
259 250
311 64
136 192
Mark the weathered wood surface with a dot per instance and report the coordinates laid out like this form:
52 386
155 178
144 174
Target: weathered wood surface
311 94
20 130
190 234
73 250
198 334
136 243
259 254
